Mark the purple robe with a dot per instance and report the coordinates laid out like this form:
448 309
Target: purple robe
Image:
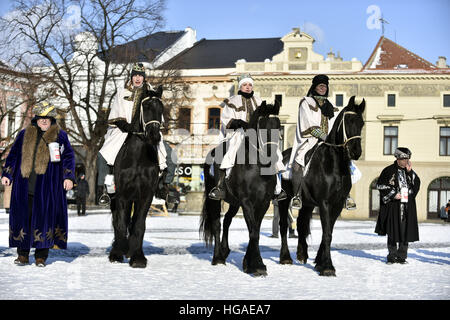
48 227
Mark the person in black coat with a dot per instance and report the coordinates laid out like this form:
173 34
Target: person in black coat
81 193
398 185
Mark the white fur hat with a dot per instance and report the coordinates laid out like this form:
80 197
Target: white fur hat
246 78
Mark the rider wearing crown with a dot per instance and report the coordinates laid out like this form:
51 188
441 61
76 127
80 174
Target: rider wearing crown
125 105
236 113
316 116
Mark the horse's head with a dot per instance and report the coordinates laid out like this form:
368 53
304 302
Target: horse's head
265 117
151 114
349 126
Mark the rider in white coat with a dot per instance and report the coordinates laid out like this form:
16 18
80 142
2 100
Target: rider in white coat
236 114
316 116
124 107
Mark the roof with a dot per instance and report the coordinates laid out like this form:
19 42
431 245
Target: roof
208 54
388 55
144 49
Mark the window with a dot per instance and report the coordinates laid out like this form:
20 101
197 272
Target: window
214 118
446 100
11 123
184 119
391 100
390 140
438 195
444 141
279 98
339 100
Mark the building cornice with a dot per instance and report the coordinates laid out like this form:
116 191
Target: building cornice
351 77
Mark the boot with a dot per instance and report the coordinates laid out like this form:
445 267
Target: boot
297 181
281 196
21 260
350 203
40 262
218 192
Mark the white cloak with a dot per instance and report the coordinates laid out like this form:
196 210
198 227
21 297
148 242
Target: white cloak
124 109
309 118
237 107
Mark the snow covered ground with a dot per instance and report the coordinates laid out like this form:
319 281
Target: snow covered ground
179 265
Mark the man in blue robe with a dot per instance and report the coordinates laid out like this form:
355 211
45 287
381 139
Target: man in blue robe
40 179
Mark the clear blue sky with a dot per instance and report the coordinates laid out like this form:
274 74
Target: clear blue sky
421 26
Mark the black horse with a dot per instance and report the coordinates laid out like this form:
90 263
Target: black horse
136 177
248 186
326 185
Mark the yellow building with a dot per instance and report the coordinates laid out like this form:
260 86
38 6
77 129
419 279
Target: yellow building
407 104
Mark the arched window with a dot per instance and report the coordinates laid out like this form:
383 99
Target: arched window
438 195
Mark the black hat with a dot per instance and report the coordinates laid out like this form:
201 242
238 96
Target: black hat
402 153
320 78
138 69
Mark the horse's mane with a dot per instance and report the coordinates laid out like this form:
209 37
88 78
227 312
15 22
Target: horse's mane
333 135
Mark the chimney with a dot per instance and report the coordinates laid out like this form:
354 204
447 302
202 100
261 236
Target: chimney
442 62
330 55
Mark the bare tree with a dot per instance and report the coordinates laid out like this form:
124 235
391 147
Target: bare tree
17 98
71 47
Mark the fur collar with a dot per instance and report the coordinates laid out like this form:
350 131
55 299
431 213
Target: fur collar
42 153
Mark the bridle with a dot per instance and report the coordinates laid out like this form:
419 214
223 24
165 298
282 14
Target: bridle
261 144
142 120
346 139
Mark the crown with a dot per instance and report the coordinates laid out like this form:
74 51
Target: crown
139 67
245 76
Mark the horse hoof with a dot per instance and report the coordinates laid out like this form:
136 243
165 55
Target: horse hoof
328 273
259 273
115 259
302 261
286 261
218 261
138 264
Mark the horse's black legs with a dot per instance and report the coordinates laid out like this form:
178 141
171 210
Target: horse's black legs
253 215
323 259
136 237
283 207
303 229
224 247
120 224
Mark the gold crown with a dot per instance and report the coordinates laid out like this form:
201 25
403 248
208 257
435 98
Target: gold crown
45 110
139 67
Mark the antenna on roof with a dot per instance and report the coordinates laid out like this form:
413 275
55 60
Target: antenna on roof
382 24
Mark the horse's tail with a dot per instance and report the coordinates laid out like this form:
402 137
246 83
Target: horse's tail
211 209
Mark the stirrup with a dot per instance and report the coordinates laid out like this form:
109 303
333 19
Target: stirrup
350 203
296 206
104 199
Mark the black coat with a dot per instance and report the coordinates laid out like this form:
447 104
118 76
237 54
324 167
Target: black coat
389 217
82 190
